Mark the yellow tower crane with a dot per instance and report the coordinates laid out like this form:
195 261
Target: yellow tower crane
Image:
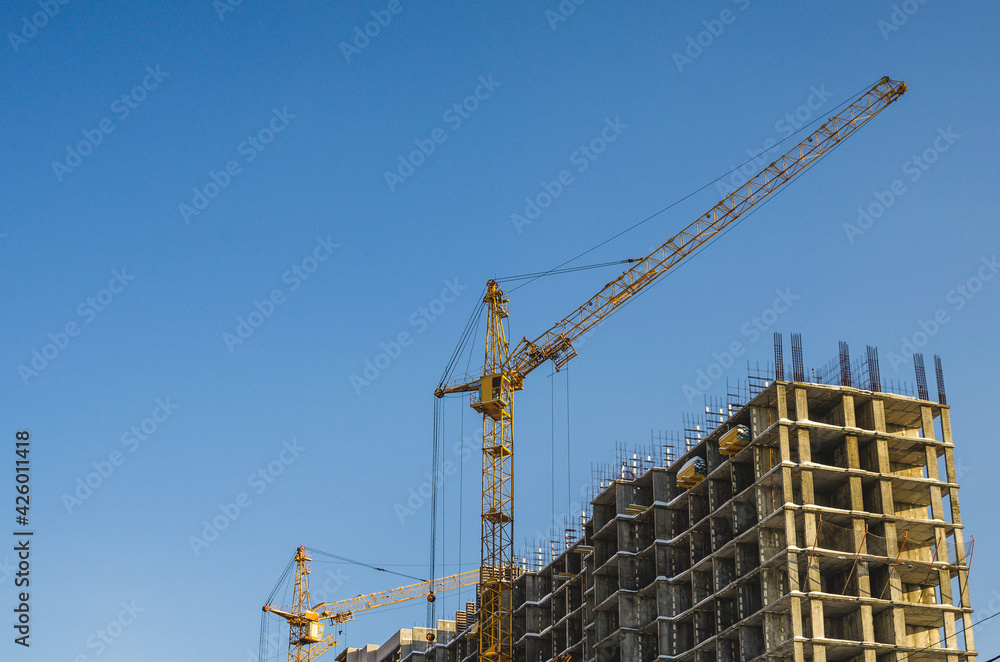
306 639
504 371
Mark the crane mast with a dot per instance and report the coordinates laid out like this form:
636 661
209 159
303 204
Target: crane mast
504 370
306 640
496 572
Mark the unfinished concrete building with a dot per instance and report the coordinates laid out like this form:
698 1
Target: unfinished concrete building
829 531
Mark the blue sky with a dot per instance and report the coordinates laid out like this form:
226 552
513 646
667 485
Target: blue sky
215 168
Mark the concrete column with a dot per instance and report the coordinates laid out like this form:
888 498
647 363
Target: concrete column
894 590
811 528
798 653
853 456
956 517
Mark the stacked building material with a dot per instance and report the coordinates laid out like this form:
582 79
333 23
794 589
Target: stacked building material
734 440
692 472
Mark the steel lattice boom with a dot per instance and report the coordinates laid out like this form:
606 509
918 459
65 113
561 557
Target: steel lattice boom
344 610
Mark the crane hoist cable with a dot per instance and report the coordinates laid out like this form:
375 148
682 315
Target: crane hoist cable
469 330
281 580
461 489
552 446
554 272
569 465
673 204
435 467
361 563
745 216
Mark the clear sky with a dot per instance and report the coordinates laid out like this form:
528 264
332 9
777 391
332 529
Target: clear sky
177 172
